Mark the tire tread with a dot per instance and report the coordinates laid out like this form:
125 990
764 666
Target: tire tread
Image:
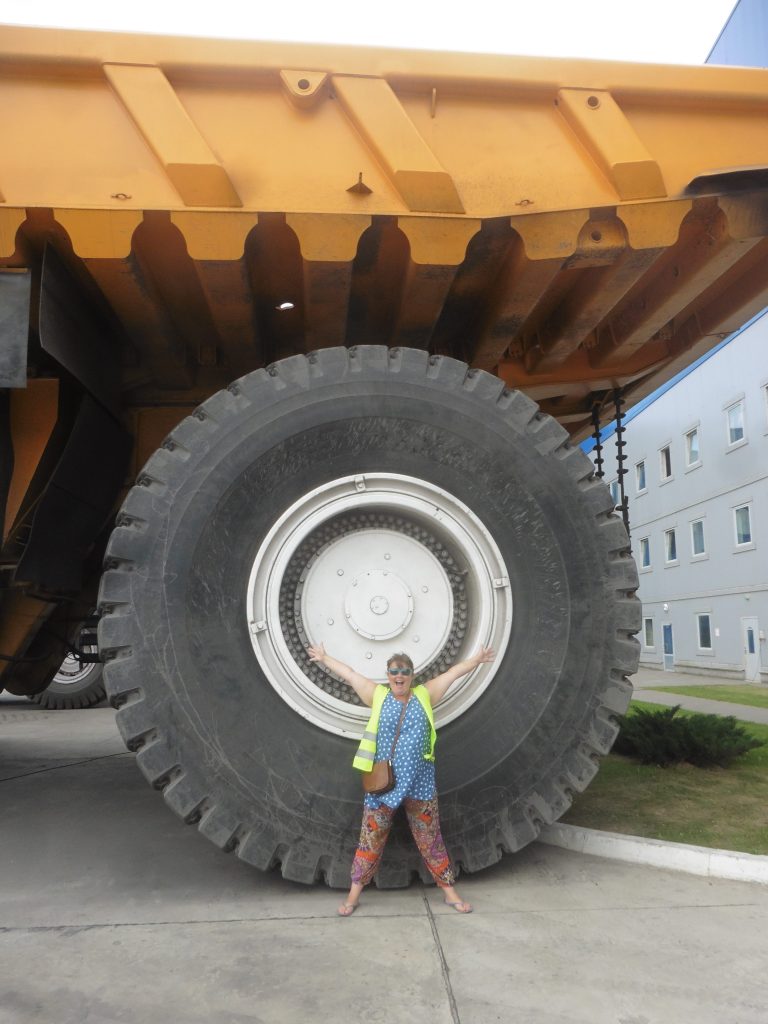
155 487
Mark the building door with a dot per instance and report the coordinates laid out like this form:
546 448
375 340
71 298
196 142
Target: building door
750 638
669 648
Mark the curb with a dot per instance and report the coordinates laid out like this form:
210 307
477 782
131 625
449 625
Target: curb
657 853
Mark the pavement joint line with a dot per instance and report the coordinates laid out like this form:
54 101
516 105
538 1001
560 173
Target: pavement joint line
93 926
67 764
631 908
514 912
444 968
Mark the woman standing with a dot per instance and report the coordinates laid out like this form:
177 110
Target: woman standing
413 763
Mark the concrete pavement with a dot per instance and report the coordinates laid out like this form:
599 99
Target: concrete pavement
646 680
648 677
114 911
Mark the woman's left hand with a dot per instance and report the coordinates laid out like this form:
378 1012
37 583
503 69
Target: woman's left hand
484 655
316 652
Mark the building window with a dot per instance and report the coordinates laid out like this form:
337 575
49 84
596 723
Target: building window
640 483
735 417
665 463
697 537
692 453
645 553
614 488
648 632
705 632
670 546
743 525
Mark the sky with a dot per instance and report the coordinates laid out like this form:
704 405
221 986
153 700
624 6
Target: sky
658 31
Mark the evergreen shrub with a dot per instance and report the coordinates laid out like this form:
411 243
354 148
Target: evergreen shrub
663 738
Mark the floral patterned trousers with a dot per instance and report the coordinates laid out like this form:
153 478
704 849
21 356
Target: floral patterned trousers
424 822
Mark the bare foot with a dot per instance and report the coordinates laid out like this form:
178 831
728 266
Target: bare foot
349 906
453 900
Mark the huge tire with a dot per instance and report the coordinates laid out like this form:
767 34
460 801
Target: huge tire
77 683
366 497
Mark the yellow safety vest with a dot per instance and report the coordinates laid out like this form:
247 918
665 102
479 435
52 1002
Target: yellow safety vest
366 752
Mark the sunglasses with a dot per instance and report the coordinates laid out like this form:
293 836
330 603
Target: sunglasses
400 671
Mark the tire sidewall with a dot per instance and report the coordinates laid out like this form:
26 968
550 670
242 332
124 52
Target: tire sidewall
190 602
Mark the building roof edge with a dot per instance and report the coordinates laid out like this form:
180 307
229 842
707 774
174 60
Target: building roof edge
589 444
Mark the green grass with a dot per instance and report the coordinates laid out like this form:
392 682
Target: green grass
753 696
721 808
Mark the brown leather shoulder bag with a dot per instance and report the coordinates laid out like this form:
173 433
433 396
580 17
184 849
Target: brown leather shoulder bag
381 778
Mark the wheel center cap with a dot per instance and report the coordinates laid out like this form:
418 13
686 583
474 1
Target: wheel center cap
378 604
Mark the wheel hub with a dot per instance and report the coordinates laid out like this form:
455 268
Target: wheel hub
366 565
378 605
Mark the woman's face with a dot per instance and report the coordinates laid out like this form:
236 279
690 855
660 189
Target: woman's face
399 677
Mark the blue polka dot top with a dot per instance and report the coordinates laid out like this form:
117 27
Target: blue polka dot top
414 775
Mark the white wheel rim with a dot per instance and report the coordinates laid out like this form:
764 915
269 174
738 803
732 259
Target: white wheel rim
72 670
409 568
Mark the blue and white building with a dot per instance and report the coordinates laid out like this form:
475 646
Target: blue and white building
697 480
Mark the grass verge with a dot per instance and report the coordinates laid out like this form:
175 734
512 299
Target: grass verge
720 808
752 696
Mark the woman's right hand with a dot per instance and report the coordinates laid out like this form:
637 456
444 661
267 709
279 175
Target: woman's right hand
362 685
316 652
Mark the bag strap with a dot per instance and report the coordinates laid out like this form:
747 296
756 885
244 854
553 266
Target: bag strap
399 727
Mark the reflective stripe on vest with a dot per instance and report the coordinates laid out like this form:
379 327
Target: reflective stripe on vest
366 752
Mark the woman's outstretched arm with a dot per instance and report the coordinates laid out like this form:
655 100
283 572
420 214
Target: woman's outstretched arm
362 685
437 687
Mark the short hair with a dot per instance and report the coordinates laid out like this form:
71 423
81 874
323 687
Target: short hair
402 659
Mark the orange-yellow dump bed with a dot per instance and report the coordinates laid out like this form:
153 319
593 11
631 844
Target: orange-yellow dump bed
571 225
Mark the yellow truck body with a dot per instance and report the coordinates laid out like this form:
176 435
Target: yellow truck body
177 213
570 225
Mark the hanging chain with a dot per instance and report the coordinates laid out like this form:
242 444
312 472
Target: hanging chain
621 458
618 401
598 449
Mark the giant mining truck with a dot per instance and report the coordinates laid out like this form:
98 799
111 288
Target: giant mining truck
298 344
